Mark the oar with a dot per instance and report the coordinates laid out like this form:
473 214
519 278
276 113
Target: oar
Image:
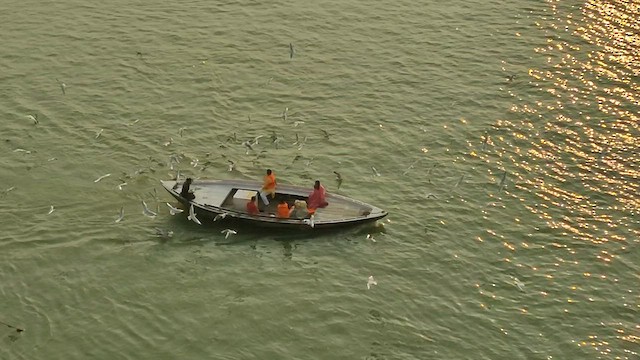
11 326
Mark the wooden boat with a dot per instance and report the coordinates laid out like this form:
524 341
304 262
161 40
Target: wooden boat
230 197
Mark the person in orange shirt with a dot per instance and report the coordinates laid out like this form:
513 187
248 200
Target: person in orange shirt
252 207
268 186
284 211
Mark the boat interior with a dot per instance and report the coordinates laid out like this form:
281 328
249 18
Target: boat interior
337 209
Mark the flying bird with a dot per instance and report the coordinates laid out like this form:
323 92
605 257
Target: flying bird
51 210
146 211
192 215
338 178
485 140
220 216
310 221
228 232
120 215
101 177
371 281
63 86
165 234
369 237
174 210
519 284
248 145
290 51
503 180
33 118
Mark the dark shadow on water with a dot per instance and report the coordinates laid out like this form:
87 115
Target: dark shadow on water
188 233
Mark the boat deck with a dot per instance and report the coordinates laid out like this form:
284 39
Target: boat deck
337 209
219 196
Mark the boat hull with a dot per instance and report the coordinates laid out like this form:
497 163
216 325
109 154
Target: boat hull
209 192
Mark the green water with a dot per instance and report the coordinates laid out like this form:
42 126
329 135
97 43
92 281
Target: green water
513 229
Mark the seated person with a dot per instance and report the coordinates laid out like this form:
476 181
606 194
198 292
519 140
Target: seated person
300 211
317 197
284 212
185 193
252 206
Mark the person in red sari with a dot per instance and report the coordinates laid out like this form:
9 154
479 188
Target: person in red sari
252 206
317 198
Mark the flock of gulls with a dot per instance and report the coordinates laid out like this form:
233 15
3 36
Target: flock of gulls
249 147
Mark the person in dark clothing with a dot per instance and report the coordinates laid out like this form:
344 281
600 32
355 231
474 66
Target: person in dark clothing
185 193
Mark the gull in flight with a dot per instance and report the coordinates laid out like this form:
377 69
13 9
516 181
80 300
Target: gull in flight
22 151
228 232
173 159
181 130
485 140
410 167
309 162
375 171
290 51
338 178
519 284
121 185
192 216
232 165
165 234
371 281
146 211
33 118
220 216
174 210
101 177
310 221
284 114
99 133
503 181
248 145
296 123
50 210
369 237
255 139
120 215
63 87
431 195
